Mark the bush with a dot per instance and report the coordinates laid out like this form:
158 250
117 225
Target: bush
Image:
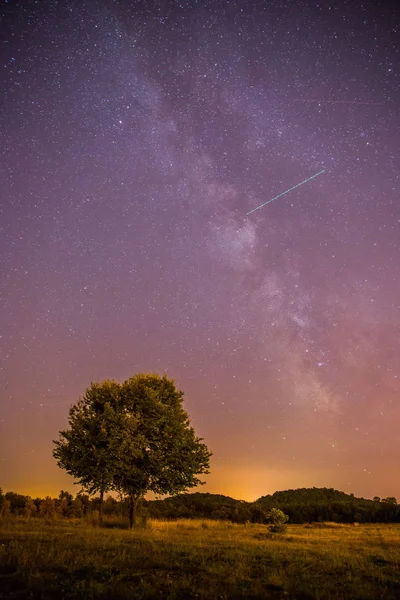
276 516
278 520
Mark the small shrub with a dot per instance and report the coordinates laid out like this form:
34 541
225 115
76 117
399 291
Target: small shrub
277 517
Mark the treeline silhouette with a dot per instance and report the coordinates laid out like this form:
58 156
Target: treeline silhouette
304 505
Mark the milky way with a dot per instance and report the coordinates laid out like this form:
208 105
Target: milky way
135 138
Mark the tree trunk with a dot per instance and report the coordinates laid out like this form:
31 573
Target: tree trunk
101 507
133 506
131 510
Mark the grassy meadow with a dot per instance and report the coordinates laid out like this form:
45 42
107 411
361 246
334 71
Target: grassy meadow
197 559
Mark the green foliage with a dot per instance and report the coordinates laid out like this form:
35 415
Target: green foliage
308 496
326 504
85 450
16 502
202 506
276 516
132 438
196 505
241 514
278 520
65 496
82 503
258 515
65 504
390 500
159 451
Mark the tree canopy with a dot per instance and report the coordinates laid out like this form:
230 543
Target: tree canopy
133 438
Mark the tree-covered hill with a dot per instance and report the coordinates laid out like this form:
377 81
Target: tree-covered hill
305 496
328 504
301 505
197 505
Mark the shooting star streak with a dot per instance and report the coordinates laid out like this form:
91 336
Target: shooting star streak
287 191
359 102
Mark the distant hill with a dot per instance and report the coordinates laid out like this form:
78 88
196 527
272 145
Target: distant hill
301 505
306 496
197 505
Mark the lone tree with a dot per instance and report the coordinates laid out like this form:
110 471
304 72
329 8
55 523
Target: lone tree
133 438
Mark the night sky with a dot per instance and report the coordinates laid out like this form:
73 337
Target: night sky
135 138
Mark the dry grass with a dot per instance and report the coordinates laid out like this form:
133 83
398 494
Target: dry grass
198 559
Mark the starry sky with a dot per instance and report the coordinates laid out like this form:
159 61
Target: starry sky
135 138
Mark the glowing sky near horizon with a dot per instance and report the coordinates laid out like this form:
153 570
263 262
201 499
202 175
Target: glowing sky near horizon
135 138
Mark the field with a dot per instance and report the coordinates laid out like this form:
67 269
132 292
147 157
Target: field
197 559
